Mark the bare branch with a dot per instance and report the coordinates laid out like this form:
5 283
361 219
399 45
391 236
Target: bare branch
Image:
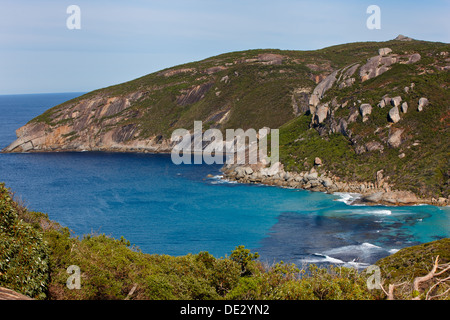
440 295
430 275
131 292
443 271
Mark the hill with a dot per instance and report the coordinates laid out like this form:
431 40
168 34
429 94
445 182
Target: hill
376 114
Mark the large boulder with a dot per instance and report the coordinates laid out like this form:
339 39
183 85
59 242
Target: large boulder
401 37
394 115
272 170
321 88
327 183
366 110
317 161
404 107
240 172
423 102
311 176
395 102
395 138
391 198
414 58
385 101
376 66
384 51
321 113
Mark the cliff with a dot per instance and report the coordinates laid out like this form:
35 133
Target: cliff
362 108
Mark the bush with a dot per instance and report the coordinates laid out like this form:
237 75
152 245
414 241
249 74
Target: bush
23 253
244 258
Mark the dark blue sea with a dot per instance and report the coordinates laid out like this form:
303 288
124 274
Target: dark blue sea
173 209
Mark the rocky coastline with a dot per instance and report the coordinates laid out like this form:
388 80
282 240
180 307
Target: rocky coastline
378 192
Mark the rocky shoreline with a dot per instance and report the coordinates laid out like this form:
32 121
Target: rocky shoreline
379 192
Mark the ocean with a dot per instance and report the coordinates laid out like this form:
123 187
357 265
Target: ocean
164 208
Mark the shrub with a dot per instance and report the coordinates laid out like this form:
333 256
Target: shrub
23 252
244 258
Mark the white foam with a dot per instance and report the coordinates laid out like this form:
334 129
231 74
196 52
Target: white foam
218 179
358 265
346 197
367 211
348 255
363 248
369 245
322 258
381 211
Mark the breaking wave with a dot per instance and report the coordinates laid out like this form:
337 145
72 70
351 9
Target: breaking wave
357 256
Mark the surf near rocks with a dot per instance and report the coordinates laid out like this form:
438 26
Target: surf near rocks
371 193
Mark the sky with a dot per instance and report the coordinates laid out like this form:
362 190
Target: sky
119 41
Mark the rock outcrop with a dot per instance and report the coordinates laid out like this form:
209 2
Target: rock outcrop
376 66
321 113
384 51
423 102
401 37
320 90
76 129
404 107
395 137
394 114
371 193
391 198
366 110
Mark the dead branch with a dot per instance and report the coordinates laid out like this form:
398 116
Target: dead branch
428 297
429 276
443 271
131 292
432 275
440 295
391 289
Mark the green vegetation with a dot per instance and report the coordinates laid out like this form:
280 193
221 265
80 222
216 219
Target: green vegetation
248 90
404 266
252 92
23 252
36 252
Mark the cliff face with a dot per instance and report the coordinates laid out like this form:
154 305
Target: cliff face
360 107
140 115
76 128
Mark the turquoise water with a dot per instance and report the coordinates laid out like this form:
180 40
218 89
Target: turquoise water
169 209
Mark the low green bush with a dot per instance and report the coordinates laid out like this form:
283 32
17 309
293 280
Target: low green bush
23 252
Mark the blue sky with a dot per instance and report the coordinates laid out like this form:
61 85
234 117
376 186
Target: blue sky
122 40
